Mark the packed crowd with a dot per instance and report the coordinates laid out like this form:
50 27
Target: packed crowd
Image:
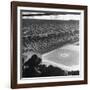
43 35
46 27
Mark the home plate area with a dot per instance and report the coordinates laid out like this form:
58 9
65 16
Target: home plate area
66 57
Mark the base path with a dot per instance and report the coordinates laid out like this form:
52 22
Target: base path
66 57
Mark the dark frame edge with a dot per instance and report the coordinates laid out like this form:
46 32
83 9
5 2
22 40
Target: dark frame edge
47 5
51 84
86 45
13 44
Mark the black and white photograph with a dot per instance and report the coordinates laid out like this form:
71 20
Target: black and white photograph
50 42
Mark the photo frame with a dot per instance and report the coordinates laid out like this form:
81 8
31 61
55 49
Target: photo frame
48 44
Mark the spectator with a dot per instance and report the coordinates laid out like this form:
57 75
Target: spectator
30 67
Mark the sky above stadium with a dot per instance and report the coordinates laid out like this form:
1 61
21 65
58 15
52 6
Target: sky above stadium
51 16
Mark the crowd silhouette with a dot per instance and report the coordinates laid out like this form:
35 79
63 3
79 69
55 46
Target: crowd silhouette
34 68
